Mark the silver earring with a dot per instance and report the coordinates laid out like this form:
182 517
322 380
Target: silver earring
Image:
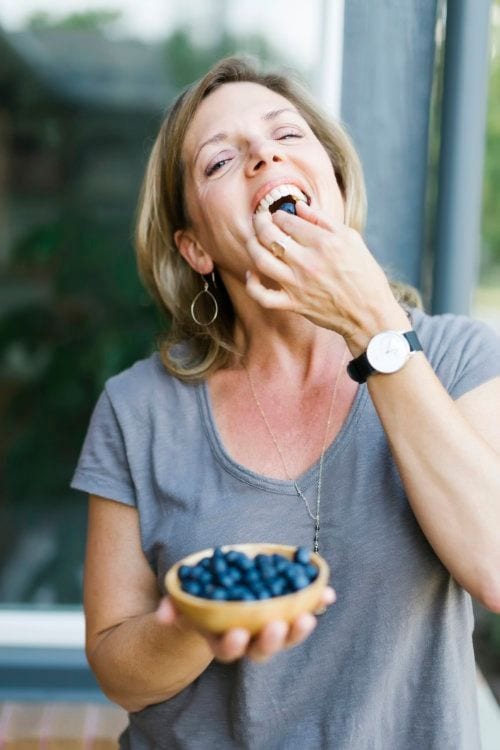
205 290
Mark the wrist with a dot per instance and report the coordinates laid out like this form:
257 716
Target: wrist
387 353
390 319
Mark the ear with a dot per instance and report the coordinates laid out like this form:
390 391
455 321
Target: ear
192 252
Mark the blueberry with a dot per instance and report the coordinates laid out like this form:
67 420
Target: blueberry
252 576
191 587
219 594
268 572
197 572
244 563
302 556
225 580
185 572
263 594
247 596
311 571
240 593
299 582
294 569
288 206
219 566
205 576
235 574
262 560
277 587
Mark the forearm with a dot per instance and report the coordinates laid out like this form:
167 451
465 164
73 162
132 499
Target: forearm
451 475
142 661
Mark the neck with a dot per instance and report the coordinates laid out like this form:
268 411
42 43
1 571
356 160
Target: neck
277 342
284 343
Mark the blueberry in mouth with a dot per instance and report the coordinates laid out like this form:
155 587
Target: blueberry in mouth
285 203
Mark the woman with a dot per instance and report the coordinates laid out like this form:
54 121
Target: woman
249 426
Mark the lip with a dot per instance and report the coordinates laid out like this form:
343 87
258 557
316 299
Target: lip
270 184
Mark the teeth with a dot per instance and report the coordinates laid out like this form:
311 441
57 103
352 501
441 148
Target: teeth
278 192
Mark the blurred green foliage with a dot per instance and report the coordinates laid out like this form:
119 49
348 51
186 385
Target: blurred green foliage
88 20
56 352
89 319
187 61
491 186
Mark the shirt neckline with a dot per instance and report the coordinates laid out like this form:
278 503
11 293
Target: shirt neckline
280 486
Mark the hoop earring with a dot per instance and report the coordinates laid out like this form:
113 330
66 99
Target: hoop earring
205 290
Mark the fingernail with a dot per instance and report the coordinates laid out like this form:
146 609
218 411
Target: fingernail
309 622
164 611
247 275
240 637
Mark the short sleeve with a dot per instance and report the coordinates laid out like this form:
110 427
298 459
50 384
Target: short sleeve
480 360
465 353
103 467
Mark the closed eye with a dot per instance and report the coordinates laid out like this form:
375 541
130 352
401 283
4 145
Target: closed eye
286 132
212 168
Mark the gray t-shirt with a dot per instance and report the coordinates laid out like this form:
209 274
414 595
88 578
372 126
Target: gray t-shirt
390 666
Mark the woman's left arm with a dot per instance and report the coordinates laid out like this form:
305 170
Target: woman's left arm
448 456
447 452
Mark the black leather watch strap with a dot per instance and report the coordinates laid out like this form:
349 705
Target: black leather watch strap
359 368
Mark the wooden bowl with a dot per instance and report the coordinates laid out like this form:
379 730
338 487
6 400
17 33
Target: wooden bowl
219 616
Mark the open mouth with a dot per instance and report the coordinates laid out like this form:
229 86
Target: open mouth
282 198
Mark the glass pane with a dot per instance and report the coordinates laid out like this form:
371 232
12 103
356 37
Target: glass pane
82 92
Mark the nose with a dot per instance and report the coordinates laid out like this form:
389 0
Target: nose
261 154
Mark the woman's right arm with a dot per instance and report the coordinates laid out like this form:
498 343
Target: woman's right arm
137 659
140 649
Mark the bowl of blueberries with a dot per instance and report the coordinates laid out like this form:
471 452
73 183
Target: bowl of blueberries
247 585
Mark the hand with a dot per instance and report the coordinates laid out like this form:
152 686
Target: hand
327 274
238 642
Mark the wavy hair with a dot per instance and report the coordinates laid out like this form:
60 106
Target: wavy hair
162 211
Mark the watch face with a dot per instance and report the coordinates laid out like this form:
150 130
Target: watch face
388 351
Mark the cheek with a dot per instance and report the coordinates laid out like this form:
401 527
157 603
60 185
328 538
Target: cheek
220 207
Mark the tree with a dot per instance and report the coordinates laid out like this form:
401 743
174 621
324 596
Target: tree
88 20
187 61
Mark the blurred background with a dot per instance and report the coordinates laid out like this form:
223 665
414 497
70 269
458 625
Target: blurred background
83 88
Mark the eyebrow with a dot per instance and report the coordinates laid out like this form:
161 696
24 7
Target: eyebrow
219 137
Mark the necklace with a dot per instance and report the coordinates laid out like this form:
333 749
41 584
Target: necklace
314 516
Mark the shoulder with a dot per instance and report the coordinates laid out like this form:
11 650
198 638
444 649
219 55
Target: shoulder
440 334
137 378
463 351
146 388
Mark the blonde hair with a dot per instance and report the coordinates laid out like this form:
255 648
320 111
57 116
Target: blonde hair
162 211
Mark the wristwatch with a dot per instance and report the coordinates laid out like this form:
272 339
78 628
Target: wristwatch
387 352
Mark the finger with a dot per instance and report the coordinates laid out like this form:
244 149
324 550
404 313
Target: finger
300 629
315 216
271 639
166 613
275 242
231 645
272 299
304 232
328 597
267 263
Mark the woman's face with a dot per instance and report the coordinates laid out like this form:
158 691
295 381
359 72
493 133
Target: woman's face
243 141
